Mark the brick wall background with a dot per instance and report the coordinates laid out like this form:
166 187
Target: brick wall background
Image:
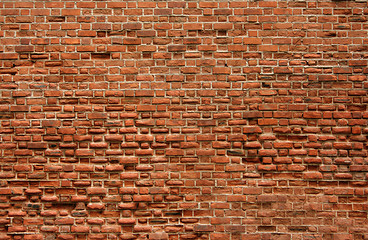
183 120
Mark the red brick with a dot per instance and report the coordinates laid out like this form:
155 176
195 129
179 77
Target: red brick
96 206
183 119
312 175
84 152
8 56
80 229
127 221
222 26
96 191
204 228
193 26
70 12
158 236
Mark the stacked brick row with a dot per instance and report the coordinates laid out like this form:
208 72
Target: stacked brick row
183 120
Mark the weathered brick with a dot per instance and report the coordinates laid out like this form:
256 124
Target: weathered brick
96 191
183 119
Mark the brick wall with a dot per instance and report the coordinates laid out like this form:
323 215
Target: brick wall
183 120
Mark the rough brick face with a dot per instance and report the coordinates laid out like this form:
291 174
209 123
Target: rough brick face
183 120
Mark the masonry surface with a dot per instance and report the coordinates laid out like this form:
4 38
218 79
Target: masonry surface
183 120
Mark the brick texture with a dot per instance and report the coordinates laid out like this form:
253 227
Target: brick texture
183 120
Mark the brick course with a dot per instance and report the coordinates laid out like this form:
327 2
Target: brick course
183 120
